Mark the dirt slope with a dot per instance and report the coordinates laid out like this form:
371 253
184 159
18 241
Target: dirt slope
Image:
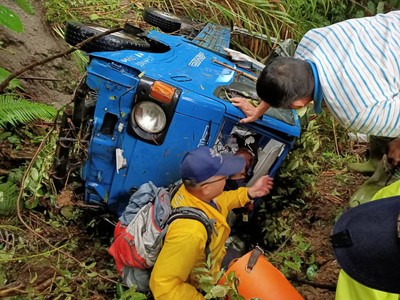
37 42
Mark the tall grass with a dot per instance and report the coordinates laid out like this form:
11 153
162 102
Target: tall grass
280 19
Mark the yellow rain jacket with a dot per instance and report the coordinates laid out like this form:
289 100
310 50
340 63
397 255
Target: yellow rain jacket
349 289
184 246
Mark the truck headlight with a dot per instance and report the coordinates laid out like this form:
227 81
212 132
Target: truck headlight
150 117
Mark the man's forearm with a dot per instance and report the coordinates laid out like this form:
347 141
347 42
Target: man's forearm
261 109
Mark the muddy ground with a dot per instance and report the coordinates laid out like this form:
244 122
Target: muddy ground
52 83
60 76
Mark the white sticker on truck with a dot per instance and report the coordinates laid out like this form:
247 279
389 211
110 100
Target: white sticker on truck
197 60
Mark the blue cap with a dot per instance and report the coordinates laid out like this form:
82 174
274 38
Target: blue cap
203 163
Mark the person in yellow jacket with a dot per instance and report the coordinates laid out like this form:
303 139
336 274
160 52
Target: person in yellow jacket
203 172
348 288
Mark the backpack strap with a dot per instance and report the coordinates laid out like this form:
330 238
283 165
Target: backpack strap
193 213
173 189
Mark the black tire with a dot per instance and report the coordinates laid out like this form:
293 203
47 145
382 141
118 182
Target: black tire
76 32
132 29
166 21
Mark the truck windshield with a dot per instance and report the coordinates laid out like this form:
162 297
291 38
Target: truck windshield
246 88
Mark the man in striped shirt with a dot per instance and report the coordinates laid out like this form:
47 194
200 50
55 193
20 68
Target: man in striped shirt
354 66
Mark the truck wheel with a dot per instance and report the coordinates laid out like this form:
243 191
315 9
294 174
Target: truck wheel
76 32
166 21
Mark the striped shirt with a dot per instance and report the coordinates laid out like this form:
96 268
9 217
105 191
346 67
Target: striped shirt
358 65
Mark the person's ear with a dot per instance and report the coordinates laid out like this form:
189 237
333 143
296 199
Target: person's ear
205 190
300 103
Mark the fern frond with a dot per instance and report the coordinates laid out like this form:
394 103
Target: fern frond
8 197
14 110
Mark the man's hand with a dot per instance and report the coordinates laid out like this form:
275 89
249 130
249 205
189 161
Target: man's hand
261 187
252 113
244 106
393 154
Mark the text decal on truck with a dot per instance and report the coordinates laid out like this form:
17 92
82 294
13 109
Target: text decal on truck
197 60
206 136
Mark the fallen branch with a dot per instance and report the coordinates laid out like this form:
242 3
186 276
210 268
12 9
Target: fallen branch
12 291
333 199
37 78
13 75
325 286
234 69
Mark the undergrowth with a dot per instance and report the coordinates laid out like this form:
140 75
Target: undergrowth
61 251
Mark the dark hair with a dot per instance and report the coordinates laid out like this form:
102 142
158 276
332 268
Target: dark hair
285 80
189 183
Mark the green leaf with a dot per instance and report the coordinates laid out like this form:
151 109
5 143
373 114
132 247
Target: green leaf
380 7
206 279
10 19
360 14
219 275
34 174
14 83
91 266
26 6
92 274
200 270
15 140
292 265
311 271
231 276
26 183
120 289
294 165
65 273
219 291
68 212
94 17
316 146
371 7
31 203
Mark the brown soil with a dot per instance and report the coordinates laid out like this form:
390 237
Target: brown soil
35 43
324 209
38 41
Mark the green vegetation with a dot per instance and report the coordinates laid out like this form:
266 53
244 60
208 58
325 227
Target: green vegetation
107 12
10 19
15 110
41 254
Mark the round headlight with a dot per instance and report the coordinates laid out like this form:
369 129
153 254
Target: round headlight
150 117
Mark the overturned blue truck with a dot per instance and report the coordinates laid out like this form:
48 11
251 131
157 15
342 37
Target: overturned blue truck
149 97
